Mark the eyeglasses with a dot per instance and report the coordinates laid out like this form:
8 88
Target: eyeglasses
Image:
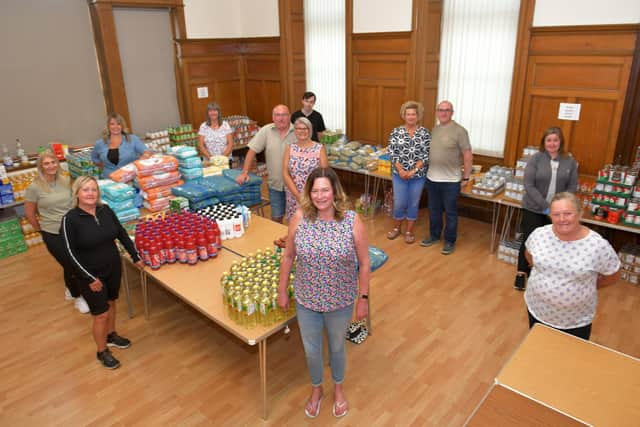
302 129
444 110
281 115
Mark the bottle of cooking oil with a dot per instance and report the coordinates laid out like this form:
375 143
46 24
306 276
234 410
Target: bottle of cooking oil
249 310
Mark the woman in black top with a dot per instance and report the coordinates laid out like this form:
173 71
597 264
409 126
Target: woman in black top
89 231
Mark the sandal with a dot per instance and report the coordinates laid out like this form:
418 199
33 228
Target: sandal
409 237
393 233
310 414
342 406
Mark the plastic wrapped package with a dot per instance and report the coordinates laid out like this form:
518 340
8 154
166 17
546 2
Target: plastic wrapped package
158 204
190 173
192 191
156 164
162 191
213 170
127 215
232 174
158 180
190 162
219 160
182 151
204 203
125 173
220 185
120 205
118 191
354 145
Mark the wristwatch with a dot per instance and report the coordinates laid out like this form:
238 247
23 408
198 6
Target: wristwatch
364 296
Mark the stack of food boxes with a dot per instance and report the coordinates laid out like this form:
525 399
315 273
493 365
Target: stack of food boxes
11 238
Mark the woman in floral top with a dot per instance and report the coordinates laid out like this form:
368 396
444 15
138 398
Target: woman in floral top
328 242
300 159
409 155
215 137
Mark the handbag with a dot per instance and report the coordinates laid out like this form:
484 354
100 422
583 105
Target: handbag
357 332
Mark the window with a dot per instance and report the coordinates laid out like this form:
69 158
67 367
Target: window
476 67
324 36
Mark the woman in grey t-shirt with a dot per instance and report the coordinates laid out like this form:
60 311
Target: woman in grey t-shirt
50 196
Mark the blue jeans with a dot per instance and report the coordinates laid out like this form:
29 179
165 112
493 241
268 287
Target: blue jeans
443 196
277 200
311 325
406 197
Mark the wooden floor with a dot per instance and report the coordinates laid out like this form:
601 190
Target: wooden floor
443 328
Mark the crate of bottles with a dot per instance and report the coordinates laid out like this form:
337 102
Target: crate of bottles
80 164
183 135
11 237
250 290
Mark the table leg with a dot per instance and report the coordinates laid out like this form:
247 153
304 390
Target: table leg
369 313
127 290
376 188
145 293
495 218
366 190
262 364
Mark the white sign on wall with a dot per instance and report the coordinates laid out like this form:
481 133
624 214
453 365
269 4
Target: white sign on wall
569 111
203 92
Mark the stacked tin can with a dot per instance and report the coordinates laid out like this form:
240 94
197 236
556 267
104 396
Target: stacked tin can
250 290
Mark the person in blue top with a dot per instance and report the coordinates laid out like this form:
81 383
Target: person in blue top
117 147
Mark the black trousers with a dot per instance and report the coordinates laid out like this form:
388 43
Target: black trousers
55 246
583 332
530 221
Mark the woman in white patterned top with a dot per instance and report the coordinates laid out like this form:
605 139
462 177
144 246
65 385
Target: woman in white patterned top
570 262
215 137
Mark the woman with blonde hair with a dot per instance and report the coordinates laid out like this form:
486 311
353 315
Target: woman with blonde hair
409 154
89 231
570 263
301 157
117 147
328 241
50 196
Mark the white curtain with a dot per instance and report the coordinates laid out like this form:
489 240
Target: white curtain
324 43
476 67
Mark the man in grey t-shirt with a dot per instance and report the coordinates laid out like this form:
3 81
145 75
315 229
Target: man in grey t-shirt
272 139
450 149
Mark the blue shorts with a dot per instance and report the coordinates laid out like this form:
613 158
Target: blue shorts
278 201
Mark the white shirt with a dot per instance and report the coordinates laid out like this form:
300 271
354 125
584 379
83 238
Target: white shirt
561 290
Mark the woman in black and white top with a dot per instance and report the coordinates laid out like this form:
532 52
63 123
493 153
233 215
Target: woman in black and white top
548 172
409 155
89 231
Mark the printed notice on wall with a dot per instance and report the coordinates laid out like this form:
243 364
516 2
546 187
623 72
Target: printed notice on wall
203 92
569 111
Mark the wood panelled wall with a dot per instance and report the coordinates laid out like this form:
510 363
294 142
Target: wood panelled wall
587 65
292 48
242 75
246 76
386 69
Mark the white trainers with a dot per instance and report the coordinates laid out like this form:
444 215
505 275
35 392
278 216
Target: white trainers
67 295
81 305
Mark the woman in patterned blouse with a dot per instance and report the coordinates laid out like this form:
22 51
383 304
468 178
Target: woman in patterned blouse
570 263
409 155
300 159
215 136
328 242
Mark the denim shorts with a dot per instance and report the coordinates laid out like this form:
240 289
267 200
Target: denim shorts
278 201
